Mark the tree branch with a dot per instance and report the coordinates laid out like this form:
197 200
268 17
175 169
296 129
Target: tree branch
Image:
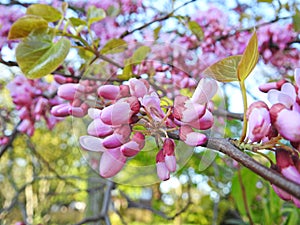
224 146
155 20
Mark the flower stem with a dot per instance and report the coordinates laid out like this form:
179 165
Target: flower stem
245 122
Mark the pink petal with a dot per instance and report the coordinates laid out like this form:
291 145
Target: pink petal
110 92
205 90
130 149
288 124
113 141
162 171
94 113
204 123
112 161
137 88
170 161
195 139
291 173
91 143
297 77
116 114
281 193
99 129
61 110
67 91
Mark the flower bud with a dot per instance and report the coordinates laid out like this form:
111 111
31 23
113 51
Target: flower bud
188 136
161 168
111 162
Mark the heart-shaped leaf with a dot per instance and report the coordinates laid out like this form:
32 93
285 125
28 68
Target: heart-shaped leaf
249 58
224 70
47 12
38 56
24 25
114 46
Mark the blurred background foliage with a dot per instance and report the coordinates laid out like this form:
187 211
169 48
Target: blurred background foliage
47 178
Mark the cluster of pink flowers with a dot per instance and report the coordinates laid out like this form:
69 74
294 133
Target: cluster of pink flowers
275 45
33 100
75 95
137 103
7 17
265 122
282 118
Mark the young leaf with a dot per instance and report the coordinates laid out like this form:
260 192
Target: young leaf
77 22
224 70
296 21
249 58
95 14
114 46
196 29
23 26
140 54
47 12
127 70
38 56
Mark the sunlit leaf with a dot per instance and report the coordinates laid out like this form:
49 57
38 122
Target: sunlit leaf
196 29
127 71
114 46
296 21
156 32
38 56
23 26
95 14
224 70
249 58
77 22
140 54
47 12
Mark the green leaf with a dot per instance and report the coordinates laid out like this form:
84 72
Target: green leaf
47 12
224 70
296 21
249 58
77 22
140 54
23 26
268 1
38 56
156 32
127 71
95 14
196 29
249 180
114 46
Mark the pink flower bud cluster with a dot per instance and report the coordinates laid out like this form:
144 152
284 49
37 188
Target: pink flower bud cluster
75 95
7 17
283 117
274 40
288 165
136 103
32 103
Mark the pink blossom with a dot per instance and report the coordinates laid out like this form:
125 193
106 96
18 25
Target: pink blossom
204 123
134 146
286 121
190 137
120 136
161 168
286 96
187 111
138 87
111 162
91 143
205 90
169 154
151 104
259 121
68 91
113 92
99 129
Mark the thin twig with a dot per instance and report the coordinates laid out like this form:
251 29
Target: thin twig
245 201
155 20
